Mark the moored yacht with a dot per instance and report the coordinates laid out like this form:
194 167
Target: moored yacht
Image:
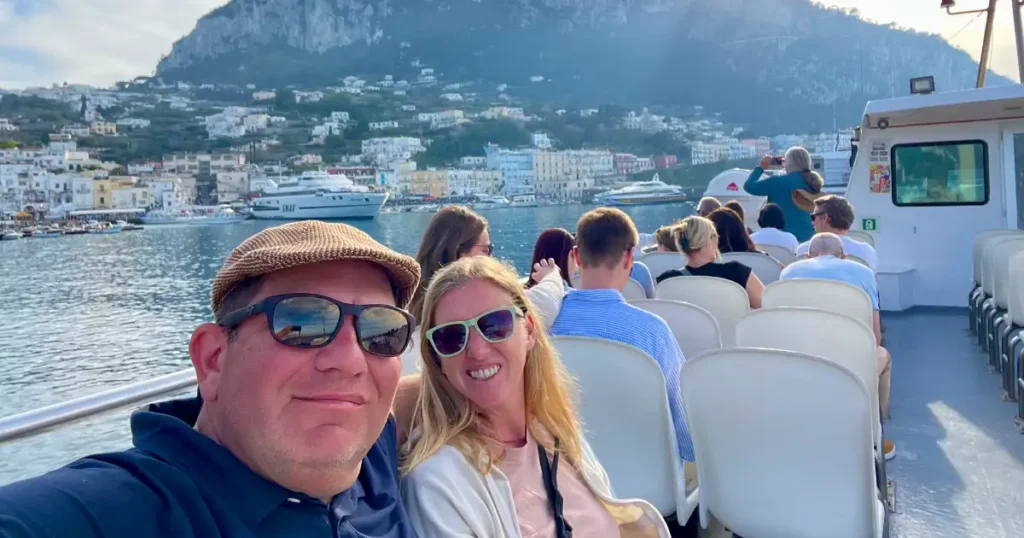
194 216
644 193
317 195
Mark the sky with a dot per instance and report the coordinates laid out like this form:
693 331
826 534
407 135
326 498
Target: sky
102 41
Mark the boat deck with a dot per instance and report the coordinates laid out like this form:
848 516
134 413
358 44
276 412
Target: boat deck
959 468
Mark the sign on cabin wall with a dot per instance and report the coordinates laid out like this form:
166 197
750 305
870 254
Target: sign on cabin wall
880 176
869 224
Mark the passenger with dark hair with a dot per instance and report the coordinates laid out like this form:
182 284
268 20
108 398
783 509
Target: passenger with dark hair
554 244
773 225
732 234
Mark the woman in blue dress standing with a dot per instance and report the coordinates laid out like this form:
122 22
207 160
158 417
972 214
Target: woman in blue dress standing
794 191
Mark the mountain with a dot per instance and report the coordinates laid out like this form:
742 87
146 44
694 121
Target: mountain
781 64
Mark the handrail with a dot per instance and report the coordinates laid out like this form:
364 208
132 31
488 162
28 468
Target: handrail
36 421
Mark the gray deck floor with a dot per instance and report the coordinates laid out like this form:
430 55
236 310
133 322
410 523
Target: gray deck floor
959 468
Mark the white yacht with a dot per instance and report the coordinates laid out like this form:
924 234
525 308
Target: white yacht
524 200
644 193
194 216
488 201
317 195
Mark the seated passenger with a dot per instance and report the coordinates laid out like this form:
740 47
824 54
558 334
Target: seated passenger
296 379
732 234
707 205
736 206
642 274
698 239
834 214
604 251
826 261
457 232
494 417
773 225
555 244
666 239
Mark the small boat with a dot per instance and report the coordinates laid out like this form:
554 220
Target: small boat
127 227
102 228
47 233
485 201
11 235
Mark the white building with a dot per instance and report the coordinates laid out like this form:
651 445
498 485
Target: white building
232 186
133 123
329 128
504 112
471 182
541 141
130 198
81 192
103 128
340 117
189 163
408 108
6 125
442 120
473 161
384 150
254 123
452 96
382 125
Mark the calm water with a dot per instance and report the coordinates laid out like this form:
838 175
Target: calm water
81 314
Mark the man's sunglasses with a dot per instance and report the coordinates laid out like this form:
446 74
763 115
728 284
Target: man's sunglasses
495 326
312 321
814 216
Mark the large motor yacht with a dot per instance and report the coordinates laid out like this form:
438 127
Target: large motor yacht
317 195
644 193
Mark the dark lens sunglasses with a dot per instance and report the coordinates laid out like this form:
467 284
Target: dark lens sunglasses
495 326
312 321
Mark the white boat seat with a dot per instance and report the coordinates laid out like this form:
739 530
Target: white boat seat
862 236
659 262
828 295
726 300
633 291
694 327
766 268
764 473
635 443
782 254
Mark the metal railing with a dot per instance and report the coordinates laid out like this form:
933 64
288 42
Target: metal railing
38 420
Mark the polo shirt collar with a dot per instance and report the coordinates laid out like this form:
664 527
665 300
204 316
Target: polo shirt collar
166 430
598 295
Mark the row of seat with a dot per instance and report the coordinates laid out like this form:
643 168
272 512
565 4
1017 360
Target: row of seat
996 305
762 416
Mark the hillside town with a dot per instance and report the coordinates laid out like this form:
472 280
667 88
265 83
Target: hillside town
385 135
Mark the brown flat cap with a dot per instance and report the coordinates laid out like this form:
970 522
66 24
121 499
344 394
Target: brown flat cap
307 242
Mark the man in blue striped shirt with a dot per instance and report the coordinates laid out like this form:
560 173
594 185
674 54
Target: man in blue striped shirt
605 238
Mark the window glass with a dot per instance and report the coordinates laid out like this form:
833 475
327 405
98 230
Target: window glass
942 173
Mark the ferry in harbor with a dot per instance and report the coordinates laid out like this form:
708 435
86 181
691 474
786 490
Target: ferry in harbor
317 195
644 193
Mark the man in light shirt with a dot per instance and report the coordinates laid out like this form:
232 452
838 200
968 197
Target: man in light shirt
826 260
773 229
834 214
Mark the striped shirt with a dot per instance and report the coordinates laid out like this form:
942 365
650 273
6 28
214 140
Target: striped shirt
587 313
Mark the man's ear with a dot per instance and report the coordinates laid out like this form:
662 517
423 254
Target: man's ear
207 348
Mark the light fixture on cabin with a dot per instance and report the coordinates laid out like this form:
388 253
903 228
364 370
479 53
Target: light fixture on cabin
922 85
948 4
883 123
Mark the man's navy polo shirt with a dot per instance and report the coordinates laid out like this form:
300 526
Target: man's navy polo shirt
179 483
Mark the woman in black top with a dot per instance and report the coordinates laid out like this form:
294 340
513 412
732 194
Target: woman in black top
732 233
698 239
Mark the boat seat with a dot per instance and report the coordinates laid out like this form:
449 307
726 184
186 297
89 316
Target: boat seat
785 448
633 291
1009 359
827 295
862 236
767 268
694 327
989 312
659 262
782 254
635 443
1000 296
976 295
830 335
726 300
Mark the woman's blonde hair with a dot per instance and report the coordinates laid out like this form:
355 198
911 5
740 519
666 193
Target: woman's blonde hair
665 236
443 416
452 232
695 233
798 159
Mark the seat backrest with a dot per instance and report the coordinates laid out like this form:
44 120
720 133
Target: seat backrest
988 260
659 262
635 443
765 267
1015 305
828 295
694 327
1001 268
859 260
836 337
784 448
782 254
633 291
726 300
862 236
980 240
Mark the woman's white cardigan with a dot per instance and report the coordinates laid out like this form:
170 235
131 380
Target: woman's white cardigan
447 497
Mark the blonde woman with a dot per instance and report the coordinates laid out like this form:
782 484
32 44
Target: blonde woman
794 192
495 418
698 239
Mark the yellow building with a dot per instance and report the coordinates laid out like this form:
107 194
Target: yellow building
427 182
103 190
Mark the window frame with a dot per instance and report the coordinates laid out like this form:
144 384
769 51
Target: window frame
985 170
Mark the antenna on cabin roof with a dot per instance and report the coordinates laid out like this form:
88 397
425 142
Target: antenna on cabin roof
986 45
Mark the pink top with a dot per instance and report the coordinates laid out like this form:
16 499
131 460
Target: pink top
582 509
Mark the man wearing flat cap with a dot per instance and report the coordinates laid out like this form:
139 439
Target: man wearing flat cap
293 435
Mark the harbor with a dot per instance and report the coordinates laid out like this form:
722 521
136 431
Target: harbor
88 313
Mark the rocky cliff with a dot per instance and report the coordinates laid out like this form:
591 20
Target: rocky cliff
780 62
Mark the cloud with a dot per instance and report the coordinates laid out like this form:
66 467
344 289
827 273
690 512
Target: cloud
90 41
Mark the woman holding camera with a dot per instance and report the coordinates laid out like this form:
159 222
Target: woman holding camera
794 191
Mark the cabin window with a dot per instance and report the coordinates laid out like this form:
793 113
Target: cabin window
940 173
